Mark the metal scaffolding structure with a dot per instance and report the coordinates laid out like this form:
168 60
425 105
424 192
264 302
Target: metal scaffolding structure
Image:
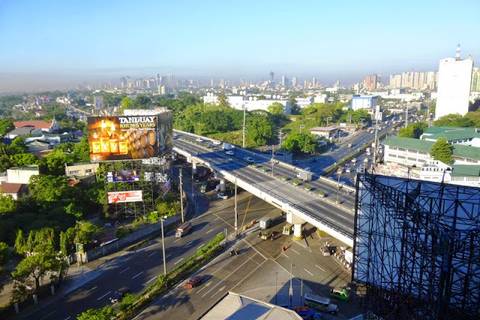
417 248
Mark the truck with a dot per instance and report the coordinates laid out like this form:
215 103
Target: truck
304 175
265 223
287 229
183 229
227 146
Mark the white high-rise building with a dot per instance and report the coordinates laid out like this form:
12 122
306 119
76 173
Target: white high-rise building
454 81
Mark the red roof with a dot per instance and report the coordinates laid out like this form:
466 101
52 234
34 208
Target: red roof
7 187
37 124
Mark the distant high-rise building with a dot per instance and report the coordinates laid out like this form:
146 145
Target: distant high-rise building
454 81
476 80
284 81
98 102
314 82
294 82
370 82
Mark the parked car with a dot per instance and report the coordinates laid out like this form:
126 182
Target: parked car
229 152
340 293
192 282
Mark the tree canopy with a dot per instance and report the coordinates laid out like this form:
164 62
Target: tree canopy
442 151
413 130
276 108
300 142
471 119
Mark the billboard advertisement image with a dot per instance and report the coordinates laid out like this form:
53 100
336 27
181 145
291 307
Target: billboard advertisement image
123 176
125 196
129 137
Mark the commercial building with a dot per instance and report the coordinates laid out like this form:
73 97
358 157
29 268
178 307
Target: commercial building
248 103
454 82
325 132
364 102
413 80
46 126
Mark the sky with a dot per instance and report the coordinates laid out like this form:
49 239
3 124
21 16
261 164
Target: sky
54 42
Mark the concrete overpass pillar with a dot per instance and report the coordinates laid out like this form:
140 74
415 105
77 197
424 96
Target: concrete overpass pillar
297 225
194 167
297 231
222 185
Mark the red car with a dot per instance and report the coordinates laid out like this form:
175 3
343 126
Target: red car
193 282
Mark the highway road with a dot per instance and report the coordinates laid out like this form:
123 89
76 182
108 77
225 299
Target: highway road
136 269
339 218
347 199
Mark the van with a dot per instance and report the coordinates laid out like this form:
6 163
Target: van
265 223
183 229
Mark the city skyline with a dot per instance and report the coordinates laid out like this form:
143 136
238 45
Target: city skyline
70 43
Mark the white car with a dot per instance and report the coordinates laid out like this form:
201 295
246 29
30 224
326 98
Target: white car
229 152
199 140
249 160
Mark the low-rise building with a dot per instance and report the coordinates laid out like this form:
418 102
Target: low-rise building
15 190
43 125
22 174
454 135
328 133
81 170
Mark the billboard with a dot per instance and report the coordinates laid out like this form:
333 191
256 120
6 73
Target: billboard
416 248
129 137
123 176
125 196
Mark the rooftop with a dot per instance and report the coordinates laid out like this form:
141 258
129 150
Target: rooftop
459 151
450 133
238 307
37 124
463 170
7 187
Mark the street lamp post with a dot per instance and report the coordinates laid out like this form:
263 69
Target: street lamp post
244 123
236 210
290 290
181 195
163 247
273 156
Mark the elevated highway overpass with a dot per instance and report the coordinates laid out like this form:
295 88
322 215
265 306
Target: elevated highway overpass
299 204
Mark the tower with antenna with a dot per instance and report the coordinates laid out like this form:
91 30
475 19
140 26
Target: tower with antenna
272 74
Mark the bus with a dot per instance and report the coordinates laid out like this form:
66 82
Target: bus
320 303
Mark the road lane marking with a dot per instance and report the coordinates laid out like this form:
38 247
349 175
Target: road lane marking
320 268
219 290
225 278
178 261
48 315
204 287
106 294
248 275
127 268
151 280
137 275
67 318
295 251
151 254
209 231
308 271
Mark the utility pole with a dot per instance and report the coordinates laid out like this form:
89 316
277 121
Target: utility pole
244 122
290 290
181 195
375 143
406 116
236 211
163 249
339 174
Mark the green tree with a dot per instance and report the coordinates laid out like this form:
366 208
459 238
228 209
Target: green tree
36 266
20 242
85 231
81 150
4 253
300 142
126 103
6 125
5 162
223 100
259 129
442 151
105 313
45 188
7 204
54 162
414 130
17 146
276 108
454 120
24 159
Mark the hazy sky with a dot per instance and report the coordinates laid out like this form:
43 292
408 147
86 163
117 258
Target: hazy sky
71 40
